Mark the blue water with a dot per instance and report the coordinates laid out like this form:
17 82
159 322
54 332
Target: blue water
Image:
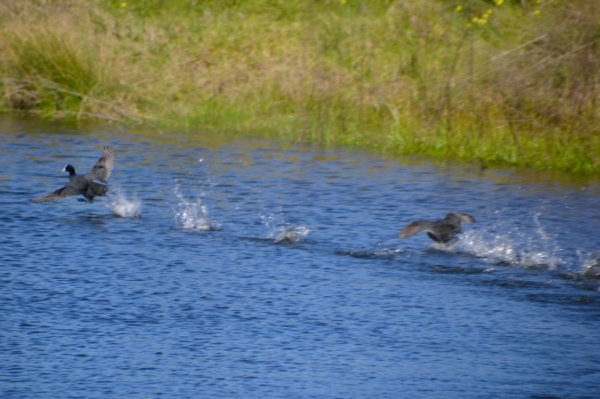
224 268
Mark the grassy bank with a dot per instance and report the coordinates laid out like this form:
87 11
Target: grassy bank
508 82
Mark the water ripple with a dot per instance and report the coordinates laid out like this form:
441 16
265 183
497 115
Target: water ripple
301 289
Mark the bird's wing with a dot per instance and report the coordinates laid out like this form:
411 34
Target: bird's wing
416 227
103 166
466 218
58 195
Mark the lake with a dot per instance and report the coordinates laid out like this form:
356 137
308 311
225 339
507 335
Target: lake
219 267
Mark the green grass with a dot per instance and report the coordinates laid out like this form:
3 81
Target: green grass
515 86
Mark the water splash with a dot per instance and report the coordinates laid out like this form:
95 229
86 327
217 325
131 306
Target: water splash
507 243
591 267
282 233
291 234
193 214
123 207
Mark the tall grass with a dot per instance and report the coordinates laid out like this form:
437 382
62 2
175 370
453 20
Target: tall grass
516 85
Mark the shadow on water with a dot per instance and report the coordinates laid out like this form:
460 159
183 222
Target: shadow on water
272 241
456 270
382 254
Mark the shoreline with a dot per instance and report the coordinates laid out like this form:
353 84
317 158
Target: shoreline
493 84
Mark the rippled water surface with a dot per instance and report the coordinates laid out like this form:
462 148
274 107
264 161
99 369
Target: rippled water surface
243 269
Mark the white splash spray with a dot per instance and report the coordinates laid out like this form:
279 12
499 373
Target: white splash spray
503 242
291 234
193 214
123 207
591 267
283 233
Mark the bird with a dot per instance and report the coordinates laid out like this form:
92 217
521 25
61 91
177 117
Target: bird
441 230
85 184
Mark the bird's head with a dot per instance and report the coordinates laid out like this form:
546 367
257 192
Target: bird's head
70 169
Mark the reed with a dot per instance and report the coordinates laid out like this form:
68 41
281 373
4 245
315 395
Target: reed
486 81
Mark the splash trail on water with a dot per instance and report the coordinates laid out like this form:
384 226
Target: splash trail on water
505 242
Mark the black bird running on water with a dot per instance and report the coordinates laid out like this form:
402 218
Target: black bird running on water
84 184
441 230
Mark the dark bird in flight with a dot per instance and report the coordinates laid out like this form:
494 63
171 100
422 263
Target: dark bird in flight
441 230
85 184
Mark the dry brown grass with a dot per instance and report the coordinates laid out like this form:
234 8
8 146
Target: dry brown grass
398 76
